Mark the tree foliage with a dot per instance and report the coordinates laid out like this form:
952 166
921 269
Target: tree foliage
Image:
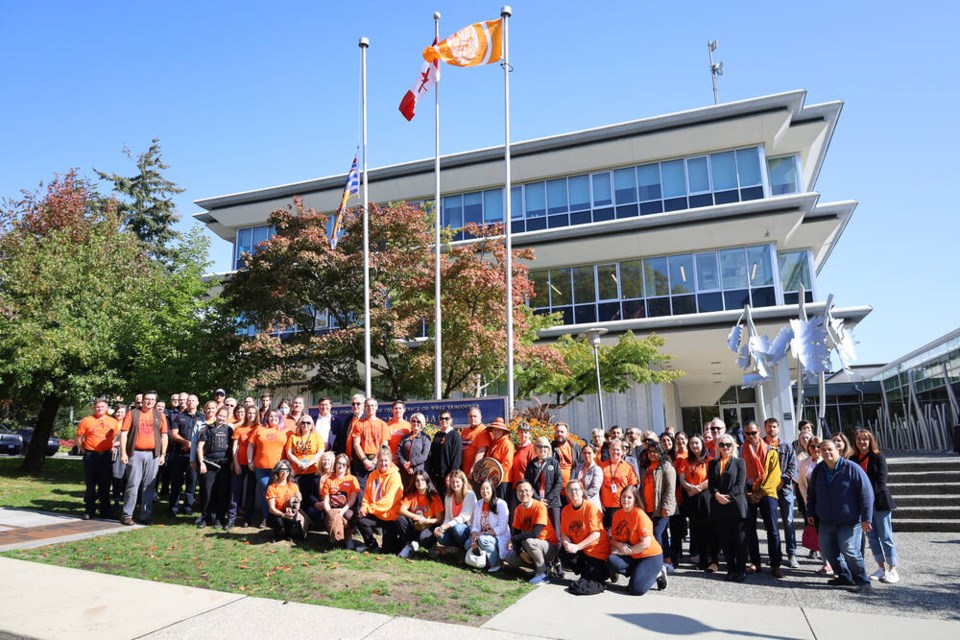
631 361
304 303
145 202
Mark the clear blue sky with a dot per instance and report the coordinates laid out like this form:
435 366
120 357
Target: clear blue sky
245 95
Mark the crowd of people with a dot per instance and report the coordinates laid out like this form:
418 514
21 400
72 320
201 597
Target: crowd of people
622 504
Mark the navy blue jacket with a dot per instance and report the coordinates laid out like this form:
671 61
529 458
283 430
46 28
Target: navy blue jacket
846 499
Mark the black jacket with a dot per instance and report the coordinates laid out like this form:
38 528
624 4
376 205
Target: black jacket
339 428
732 482
446 453
548 473
877 472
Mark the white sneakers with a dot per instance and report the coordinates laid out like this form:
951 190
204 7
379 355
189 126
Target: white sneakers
878 574
890 577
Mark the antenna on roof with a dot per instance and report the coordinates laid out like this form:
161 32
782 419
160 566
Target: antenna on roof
716 70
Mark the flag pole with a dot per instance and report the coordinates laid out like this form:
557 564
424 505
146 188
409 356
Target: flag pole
437 343
364 43
505 13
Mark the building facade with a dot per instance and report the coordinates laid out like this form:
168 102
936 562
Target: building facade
666 225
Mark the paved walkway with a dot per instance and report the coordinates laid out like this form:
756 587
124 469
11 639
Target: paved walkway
44 601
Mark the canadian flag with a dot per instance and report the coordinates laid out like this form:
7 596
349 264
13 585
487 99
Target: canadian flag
429 74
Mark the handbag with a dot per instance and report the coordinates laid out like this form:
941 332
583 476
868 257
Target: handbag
811 539
476 558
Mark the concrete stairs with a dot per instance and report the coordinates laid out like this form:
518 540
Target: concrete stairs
927 491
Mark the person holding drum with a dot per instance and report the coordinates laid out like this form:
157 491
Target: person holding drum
500 449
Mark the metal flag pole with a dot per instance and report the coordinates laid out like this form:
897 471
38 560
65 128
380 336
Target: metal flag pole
437 327
505 13
364 43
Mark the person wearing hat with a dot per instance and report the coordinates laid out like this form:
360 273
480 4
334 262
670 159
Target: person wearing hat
219 396
501 449
283 505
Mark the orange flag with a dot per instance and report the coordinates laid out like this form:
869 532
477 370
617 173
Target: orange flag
477 44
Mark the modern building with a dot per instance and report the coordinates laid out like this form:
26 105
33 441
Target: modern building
669 224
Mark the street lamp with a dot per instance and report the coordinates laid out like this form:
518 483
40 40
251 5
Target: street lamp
593 337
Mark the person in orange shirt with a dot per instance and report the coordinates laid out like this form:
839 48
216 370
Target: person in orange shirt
341 493
501 449
420 511
521 458
584 545
567 452
143 451
692 481
366 436
303 450
264 451
291 420
534 540
381 504
283 504
95 435
243 480
634 551
398 428
617 476
475 440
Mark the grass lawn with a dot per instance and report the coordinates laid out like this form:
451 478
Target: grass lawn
244 561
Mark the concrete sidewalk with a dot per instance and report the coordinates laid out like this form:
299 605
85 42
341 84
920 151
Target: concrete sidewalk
43 601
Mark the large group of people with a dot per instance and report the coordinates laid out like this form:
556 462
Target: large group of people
621 505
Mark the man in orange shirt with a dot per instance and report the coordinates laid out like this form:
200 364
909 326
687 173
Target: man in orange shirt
567 452
143 445
475 440
366 436
501 449
95 435
398 428
521 458
533 541
291 419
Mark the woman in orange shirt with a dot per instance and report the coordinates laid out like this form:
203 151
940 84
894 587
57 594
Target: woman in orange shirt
692 481
243 481
264 451
634 551
341 493
283 504
678 521
302 451
584 545
420 511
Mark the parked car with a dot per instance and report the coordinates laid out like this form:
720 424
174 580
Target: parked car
10 442
53 442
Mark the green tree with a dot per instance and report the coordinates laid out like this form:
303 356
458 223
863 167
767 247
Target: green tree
631 361
146 202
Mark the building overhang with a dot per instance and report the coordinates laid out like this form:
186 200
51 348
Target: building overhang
698 343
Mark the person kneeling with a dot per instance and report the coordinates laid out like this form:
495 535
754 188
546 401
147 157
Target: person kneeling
534 542
283 505
585 546
420 511
381 505
635 552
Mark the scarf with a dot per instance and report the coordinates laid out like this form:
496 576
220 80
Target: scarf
755 460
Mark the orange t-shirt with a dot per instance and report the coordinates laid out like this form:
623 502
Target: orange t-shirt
521 459
398 428
339 489
304 448
373 433
649 489
633 527
268 447
98 433
615 479
565 458
144 436
525 518
282 493
242 435
501 450
473 438
423 505
577 524
383 493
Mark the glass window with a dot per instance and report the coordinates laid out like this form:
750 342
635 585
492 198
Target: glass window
541 289
560 287
733 266
557 195
649 179
631 278
493 206
473 208
625 184
607 283
536 200
748 167
724 168
783 175
794 271
584 285
656 277
516 202
601 190
708 274
681 274
761 272
579 192
673 180
697 175
453 212
261 234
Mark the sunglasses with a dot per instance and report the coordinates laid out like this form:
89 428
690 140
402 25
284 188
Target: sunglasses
415 422
355 404
750 433
446 418
714 428
725 445
543 446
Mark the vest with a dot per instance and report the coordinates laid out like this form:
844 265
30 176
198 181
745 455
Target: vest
135 426
218 443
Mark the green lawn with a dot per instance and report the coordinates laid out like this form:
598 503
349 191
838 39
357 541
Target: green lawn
244 561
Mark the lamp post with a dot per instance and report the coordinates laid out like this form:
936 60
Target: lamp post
593 337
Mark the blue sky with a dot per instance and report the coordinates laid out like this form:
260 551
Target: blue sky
245 95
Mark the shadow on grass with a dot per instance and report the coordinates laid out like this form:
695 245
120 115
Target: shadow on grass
54 471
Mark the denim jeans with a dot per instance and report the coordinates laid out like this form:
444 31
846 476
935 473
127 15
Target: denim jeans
768 511
881 539
263 479
642 572
785 503
660 533
843 540
456 536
